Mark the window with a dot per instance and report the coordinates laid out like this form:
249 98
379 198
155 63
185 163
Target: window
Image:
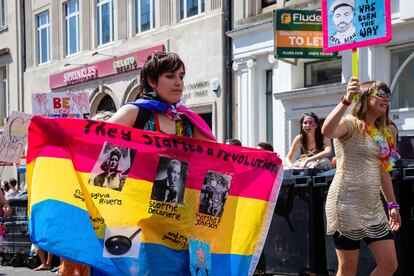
190 8
2 13
267 3
323 72
43 37
269 105
4 112
72 27
144 15
402 91
105 21
106 104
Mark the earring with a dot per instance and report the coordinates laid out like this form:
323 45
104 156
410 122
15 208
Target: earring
153 94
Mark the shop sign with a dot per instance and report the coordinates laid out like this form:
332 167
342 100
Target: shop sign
80 75
124 65
298 34
104 68
197 91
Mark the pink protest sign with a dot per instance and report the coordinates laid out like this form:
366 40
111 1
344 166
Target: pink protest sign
350 24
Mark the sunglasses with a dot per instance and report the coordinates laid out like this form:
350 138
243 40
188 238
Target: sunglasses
381 94
308 114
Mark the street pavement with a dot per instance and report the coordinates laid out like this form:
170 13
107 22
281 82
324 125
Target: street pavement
23 271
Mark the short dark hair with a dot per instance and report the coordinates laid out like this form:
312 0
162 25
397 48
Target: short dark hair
233 141
342 5
157 63
13 182
114 152
265 146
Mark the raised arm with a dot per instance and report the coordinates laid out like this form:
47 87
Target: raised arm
125 116
292 151
334 126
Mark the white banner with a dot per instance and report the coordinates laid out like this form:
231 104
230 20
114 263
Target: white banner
71 104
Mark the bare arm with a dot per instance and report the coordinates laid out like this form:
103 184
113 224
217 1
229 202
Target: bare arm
292 151
394 132
327 151
199 135
334 126
125 116
388 192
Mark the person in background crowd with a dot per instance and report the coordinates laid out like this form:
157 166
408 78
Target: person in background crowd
365 150
45 258
233 141
5 186
315 147
12 192
159 107
265 146
6 210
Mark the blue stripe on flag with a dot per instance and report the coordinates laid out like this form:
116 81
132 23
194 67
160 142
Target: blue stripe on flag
65 230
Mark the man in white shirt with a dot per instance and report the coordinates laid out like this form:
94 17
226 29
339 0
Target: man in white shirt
343 16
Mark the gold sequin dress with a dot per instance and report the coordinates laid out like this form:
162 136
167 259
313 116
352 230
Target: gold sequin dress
353 205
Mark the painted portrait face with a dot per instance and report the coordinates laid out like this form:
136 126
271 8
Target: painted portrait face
170 86
213 183
113 162
217 198
342 18
175 173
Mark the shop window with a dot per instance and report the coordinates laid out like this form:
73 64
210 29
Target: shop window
144 15
106 104
406 147
105 21
208 118
2 13
269 105
190 8
402 91
72 26
4 95
267 3
43 37
323 72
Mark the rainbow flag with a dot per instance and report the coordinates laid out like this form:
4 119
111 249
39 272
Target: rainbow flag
131 202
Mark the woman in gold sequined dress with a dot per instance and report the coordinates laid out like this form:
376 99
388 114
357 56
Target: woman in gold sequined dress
364 146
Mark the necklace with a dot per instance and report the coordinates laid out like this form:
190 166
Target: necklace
384 139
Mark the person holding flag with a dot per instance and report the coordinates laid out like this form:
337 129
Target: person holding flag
159 107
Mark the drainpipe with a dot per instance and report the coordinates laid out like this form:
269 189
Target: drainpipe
22 46
228 83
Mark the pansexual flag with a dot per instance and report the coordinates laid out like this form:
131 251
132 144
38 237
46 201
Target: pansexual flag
131 202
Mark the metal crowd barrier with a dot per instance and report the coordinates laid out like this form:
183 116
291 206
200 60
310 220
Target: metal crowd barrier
297 244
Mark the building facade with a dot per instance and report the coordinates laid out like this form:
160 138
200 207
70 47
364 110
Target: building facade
12 66
11 57
272 94
99 46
